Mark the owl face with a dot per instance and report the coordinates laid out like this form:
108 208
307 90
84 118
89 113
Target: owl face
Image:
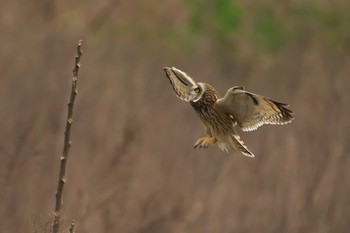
196 92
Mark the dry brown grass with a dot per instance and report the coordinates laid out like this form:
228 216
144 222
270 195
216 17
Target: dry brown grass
133 139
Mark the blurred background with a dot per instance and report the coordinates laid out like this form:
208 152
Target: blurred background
132 167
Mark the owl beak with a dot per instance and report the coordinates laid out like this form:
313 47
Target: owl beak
173 73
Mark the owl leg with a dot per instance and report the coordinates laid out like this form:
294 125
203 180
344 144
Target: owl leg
204 142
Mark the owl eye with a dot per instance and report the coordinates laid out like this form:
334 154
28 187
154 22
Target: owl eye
197 90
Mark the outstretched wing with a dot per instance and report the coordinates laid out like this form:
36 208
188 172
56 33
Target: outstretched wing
181 82
251 111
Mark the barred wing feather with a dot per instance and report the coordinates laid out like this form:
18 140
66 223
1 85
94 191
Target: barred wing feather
251 111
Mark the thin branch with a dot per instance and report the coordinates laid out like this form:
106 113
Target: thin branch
67 143
72 226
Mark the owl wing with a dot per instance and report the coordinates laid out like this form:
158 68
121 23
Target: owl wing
251 111
180 82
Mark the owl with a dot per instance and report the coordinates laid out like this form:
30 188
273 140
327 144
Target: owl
220 115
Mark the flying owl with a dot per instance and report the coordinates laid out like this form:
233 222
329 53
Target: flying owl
221 114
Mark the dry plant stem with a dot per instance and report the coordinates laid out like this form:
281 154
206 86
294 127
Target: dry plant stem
67 143
72 226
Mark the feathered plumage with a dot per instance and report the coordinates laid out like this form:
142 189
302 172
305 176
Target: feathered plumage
219 115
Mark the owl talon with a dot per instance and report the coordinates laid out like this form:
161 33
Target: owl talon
204 143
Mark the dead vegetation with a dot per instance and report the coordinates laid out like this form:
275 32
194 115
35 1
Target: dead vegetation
134 166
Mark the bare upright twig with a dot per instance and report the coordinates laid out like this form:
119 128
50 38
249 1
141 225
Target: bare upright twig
71 228
67 143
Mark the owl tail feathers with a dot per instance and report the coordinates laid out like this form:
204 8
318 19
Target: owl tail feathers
235 143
